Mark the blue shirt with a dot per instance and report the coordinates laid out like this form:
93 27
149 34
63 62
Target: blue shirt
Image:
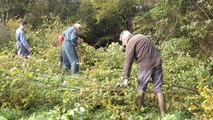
20 36
71 34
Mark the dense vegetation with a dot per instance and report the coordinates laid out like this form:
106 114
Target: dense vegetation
37 89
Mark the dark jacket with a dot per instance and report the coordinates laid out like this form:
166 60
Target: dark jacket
140 48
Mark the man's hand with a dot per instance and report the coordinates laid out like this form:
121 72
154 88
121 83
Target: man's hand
79 41
125 83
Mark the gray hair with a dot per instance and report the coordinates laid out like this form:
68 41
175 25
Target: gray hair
77 25
125 34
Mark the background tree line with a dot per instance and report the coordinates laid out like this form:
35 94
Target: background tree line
103 20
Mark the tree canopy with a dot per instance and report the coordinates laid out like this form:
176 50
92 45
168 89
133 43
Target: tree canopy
103 20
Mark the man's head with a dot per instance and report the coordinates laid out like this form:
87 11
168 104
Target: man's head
124 37
23 23
78 27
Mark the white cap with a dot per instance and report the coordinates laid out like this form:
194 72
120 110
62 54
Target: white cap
125 34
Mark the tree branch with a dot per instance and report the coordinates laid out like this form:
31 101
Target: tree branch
169 34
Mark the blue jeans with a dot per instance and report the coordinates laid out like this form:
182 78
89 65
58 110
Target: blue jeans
61 57
21 50
70 57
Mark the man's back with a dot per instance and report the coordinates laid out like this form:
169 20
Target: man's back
71 35
19 31
144 52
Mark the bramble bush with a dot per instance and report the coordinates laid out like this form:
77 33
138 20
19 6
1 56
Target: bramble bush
181 68
37 89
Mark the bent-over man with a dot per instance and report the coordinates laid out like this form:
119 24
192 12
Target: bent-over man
140 48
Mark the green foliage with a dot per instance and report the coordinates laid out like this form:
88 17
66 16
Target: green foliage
112 57
4 34
33 84
205 88
174 47
176 19
188 69
106 19
47 34
9 114
37 89
181 68
103 20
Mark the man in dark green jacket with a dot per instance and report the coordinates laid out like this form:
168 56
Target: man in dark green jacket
140 48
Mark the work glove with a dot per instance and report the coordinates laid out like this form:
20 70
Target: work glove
124 83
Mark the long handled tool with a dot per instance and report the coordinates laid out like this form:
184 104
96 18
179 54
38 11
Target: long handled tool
167 83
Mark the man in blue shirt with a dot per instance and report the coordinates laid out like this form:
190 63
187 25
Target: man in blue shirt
21 42
69 53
